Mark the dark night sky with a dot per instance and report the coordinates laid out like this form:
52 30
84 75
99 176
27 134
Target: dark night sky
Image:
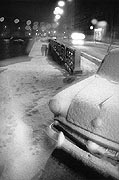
40 10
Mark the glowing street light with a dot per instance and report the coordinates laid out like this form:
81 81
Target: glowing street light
2 19
16 21
58 10
57 17
36 23
61 3
94 21
35 27
28 22
28 28
91 27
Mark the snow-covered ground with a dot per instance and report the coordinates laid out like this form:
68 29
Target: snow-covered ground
25 89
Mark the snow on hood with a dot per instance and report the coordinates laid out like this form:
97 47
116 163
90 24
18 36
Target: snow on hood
60 103
96 108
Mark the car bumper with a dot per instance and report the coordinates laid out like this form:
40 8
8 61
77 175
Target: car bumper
66 143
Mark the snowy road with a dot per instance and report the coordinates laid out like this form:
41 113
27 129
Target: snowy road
25 89
24 95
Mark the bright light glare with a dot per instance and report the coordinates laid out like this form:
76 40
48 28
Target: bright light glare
2 19
102 24
98 30
78 41
94 21
16 21
61 3
28 22
91 27
35 23
28 27
58 10
77 36
57 17
35 27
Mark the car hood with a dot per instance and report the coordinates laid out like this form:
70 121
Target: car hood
96 108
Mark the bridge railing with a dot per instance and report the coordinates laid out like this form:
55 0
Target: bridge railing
63 55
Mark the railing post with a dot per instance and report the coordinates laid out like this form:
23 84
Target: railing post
66 56
69 59
77 65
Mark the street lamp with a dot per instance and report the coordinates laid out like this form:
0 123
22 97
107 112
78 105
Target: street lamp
28 22
27 27
57 17
94 21
58 10
61 3
2 19
91 27
16 21
36 23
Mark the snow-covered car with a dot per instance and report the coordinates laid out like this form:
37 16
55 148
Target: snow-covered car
86 118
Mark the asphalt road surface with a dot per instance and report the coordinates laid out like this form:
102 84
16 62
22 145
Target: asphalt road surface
96 49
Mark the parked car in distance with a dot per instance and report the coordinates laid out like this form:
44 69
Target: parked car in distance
86 118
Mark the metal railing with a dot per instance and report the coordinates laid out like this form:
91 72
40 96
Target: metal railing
63 55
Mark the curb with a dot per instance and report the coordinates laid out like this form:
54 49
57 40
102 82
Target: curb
91 58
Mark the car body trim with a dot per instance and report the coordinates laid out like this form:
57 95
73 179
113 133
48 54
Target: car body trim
89 135
87 158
